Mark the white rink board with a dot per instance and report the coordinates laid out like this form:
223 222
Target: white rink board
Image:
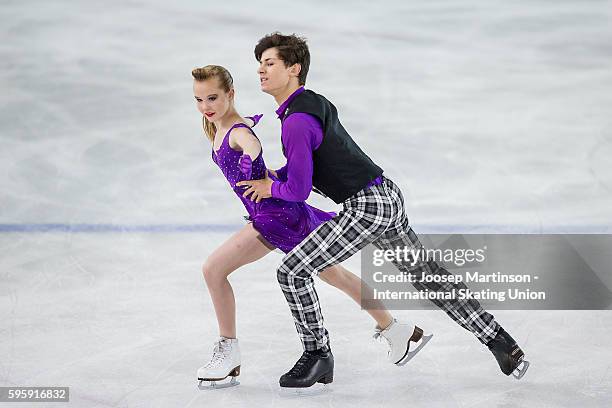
491 117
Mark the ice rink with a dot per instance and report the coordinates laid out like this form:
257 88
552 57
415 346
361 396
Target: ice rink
492 117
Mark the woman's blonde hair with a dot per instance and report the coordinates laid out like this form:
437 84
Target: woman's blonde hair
226 82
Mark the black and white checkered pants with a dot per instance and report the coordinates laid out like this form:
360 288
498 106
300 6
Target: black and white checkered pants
374 215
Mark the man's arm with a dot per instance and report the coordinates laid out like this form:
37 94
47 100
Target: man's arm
301 135
281 173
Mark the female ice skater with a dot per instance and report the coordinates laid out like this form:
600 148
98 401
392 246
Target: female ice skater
373 212
275 223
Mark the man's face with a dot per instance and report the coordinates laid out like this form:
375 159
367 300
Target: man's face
274 76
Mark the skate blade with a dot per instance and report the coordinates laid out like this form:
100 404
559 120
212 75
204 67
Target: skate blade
521 369
410 354
216 385
316 389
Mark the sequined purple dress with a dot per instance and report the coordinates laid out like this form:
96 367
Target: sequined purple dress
283 224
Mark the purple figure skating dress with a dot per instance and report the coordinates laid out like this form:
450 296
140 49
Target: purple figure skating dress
283 224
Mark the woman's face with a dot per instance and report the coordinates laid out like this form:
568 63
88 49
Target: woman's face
212 100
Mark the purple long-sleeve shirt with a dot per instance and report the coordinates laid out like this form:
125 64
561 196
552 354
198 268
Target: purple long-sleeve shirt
301 134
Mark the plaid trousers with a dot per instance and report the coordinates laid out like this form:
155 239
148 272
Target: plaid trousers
374 215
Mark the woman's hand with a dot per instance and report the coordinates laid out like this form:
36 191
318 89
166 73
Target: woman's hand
245 164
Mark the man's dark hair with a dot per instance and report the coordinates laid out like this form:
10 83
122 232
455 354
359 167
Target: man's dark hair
291 49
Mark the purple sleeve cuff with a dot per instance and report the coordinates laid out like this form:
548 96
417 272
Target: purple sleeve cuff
274 189
284 191
282 173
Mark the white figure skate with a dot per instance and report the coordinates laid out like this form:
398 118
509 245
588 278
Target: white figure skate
405 341
225 362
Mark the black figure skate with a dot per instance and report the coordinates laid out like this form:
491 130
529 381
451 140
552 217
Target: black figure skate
312 367
508 354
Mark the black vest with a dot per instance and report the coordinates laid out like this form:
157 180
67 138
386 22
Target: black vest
340 167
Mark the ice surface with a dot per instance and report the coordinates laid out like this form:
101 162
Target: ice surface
491 116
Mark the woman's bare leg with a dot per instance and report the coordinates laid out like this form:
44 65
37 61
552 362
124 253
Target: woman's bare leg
242 248
350 284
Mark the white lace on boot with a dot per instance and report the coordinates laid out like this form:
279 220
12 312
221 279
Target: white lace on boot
225 361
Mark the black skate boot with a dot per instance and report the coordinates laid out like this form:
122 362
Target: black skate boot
312 367
508 354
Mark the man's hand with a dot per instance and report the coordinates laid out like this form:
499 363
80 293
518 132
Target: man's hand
257 189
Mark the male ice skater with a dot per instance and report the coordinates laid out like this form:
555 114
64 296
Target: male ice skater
322 156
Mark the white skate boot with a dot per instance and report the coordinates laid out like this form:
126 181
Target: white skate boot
405 341
225 362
